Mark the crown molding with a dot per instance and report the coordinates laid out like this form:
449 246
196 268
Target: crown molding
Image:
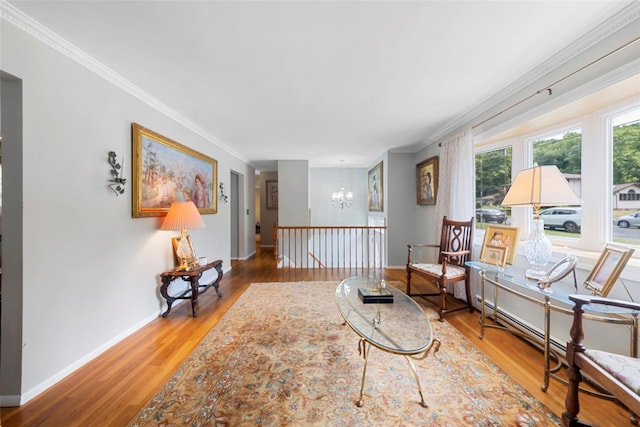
629 15
19 19
626 16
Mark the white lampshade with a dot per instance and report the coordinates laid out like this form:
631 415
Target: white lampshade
540 186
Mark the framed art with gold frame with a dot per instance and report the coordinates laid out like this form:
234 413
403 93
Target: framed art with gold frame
502 235
607 270
165 171
427 181
376 188
191 258
494 255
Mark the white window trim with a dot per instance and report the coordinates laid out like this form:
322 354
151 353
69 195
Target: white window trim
596 212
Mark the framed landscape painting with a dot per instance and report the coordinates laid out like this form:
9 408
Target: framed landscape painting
165 171
375 186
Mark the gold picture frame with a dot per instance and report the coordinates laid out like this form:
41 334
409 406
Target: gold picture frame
376 188
494 255
427 181
505 236
607 269
165 171
192 260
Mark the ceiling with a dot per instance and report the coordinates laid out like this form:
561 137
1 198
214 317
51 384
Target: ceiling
322 81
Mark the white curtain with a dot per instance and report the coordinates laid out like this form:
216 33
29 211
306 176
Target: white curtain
456 188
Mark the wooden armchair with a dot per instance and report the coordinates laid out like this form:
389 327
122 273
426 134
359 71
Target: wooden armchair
618 374
454 251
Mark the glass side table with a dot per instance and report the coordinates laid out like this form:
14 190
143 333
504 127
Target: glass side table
557 301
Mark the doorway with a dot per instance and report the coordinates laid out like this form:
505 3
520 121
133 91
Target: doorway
234 200
11 315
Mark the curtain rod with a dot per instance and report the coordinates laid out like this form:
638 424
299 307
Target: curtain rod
549 88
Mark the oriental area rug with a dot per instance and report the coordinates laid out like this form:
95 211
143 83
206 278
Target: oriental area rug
282 356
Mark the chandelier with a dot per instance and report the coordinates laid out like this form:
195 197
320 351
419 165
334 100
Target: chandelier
342 199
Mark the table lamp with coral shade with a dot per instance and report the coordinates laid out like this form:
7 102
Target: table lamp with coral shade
183 216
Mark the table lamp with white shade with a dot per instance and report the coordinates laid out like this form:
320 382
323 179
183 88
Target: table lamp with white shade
183 216
539 186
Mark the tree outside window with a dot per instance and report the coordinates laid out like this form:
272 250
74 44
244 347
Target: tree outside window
565 151
493 177
625 214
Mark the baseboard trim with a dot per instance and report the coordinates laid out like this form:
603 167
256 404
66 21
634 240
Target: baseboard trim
523 326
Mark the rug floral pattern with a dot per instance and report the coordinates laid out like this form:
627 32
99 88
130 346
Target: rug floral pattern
282 356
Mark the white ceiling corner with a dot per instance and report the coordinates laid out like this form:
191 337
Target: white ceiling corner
322 81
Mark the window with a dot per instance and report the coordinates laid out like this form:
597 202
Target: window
625 208
595 142
565 151
493 176
631 195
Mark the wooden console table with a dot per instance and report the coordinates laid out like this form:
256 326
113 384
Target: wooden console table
193 277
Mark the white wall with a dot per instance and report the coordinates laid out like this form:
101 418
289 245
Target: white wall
426 214
293 192
91 271
325 181
403 225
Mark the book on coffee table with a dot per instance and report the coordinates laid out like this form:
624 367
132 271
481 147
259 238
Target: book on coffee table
381 296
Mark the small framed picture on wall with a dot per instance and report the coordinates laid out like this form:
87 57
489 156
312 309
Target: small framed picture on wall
427 181
375 185
272 194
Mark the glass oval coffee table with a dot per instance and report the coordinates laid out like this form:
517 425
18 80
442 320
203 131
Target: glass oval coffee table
398 327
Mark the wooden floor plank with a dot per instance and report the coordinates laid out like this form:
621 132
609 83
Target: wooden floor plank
111 389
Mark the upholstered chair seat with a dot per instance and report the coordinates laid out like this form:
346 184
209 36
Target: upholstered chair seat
436 270
625 369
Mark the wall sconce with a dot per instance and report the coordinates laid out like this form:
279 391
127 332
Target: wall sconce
117 182
223 196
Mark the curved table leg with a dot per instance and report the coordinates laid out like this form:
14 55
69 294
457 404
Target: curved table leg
415 375
193 281
163 291
364 351
216 284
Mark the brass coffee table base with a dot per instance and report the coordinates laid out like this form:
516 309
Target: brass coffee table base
364 348
400 327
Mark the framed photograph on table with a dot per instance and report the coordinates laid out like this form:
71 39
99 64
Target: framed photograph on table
427 181
607 270
165 171
376 188
503 236
494 255
191 255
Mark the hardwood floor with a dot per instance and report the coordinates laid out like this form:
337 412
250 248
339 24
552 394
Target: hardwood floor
111 389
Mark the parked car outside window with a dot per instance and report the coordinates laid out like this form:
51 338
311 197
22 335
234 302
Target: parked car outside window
631 220
490 215
569 219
